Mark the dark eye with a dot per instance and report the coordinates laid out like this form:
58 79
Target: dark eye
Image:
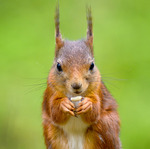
92 66
59 67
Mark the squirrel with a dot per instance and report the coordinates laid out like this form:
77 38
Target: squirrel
95 123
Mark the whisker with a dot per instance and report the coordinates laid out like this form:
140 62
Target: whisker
106 74
111 78
110 83
37 84
36 78
35 89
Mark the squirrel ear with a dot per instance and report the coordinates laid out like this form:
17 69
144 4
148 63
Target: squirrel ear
58 38
89 40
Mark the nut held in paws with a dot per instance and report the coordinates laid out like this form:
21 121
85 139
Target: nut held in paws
76 100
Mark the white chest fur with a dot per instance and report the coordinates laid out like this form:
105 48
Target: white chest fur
75 129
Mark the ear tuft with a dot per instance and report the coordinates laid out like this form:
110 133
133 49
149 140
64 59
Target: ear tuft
58 38
89 39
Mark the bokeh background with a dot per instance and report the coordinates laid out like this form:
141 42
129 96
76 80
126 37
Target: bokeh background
121 44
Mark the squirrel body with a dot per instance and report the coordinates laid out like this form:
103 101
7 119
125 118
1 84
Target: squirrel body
95 123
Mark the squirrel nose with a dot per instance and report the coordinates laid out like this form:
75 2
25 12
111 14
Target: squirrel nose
76 85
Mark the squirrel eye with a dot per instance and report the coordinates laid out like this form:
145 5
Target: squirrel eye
92 66
59 67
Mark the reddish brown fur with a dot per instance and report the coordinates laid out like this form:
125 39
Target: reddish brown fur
104 121
100 113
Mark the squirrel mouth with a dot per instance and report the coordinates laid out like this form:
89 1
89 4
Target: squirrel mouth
78 92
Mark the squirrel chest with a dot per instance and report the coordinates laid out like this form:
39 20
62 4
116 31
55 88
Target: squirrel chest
75 130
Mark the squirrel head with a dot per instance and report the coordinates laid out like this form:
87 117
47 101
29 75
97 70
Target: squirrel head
74 72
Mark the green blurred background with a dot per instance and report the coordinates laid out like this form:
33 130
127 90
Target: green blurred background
121 44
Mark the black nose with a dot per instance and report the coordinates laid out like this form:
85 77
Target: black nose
76 85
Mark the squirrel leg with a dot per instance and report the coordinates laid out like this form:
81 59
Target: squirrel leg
89 109
61 110
105 133
54 137
110 121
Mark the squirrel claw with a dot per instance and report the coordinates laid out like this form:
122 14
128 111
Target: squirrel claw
67 107
85 106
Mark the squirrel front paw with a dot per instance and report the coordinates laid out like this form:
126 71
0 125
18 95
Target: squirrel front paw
67 106
84 106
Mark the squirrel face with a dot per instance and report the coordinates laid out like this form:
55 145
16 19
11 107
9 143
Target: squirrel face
74 70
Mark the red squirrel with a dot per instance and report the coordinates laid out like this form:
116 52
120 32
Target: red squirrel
95 123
